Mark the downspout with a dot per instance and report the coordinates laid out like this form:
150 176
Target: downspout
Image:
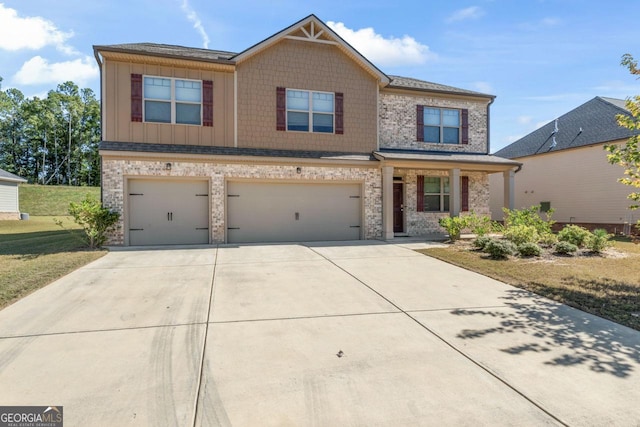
97 56
489 125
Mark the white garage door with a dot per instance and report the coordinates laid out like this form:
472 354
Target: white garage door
168 212
292 212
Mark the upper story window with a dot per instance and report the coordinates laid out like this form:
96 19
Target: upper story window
309 111
442 125
168 100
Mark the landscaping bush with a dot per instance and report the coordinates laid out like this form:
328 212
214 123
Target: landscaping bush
94 219
529 249
453 225
565 248
529 217
598 240
547 240
520 234
574 234
499 249
479 225
481 242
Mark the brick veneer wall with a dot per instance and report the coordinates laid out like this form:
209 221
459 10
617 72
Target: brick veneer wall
421 223
114 172
397 115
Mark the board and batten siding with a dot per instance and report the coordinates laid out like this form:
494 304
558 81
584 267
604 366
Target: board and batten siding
118 126
8 196
580 184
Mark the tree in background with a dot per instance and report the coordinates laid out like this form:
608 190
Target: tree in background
52 140
628 155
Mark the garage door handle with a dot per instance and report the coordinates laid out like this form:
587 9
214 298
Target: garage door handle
169 216
136 229
354 226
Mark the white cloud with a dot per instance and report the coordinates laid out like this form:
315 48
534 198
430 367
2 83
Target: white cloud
195 20
483 87
388 52
32 32
38 70
473 12
549 21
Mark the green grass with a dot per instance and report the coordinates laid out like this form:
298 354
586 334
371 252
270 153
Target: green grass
607 286
39 200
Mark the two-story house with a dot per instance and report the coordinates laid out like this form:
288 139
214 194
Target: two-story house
297 138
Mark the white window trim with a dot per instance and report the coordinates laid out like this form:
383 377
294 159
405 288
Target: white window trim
172 100
310 92
442 126
441 193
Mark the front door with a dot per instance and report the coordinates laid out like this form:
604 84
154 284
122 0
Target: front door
398 207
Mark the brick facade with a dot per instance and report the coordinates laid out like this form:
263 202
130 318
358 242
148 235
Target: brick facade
115 172
397 121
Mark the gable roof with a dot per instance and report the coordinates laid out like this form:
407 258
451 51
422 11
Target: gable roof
593 122
398 82
8 176
320 33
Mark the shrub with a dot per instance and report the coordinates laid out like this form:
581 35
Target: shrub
529 249
529 217
479 225
598 240
520 234
565 248
499 249
94 219
453 225
547 240
481 242
574 234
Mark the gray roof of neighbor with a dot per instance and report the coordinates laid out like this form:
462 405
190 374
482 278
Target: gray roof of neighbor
8 176
230 151
591 123
411 83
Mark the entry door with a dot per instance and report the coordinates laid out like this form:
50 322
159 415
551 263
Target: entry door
398 207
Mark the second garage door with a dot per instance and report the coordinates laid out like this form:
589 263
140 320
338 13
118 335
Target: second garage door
292 212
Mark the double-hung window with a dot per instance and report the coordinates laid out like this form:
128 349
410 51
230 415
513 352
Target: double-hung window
309 111
441 125
436 194
169 100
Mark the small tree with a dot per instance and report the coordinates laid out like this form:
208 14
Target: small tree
628 155
94 219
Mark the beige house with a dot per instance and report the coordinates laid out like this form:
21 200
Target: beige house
9 201
565 167
298 138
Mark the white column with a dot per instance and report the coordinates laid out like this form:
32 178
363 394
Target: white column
387 202
455 201
509 186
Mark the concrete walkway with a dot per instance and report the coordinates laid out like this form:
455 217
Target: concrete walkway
357 333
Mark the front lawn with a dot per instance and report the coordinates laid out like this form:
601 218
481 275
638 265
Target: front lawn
36 252
607 285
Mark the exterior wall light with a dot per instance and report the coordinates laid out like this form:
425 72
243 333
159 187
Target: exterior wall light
167 166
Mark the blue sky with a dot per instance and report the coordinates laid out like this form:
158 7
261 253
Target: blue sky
541 58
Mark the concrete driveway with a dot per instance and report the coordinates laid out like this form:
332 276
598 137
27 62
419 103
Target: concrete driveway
358 333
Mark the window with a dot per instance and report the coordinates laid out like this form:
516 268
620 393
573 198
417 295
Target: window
436 194
310 111
545 206
168 100
441 125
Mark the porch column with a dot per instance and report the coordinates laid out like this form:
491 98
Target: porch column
455 202
509 178
387 202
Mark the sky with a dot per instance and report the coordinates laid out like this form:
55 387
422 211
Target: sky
540 58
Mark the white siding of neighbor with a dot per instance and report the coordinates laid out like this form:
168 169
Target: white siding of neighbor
8 196
580 184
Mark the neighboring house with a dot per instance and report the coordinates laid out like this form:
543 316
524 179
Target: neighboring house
9 202
565 167
297 138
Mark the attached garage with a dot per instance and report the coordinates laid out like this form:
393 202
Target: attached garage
293 212
168 212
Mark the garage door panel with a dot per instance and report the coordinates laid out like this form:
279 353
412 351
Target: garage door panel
165 212
282 212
